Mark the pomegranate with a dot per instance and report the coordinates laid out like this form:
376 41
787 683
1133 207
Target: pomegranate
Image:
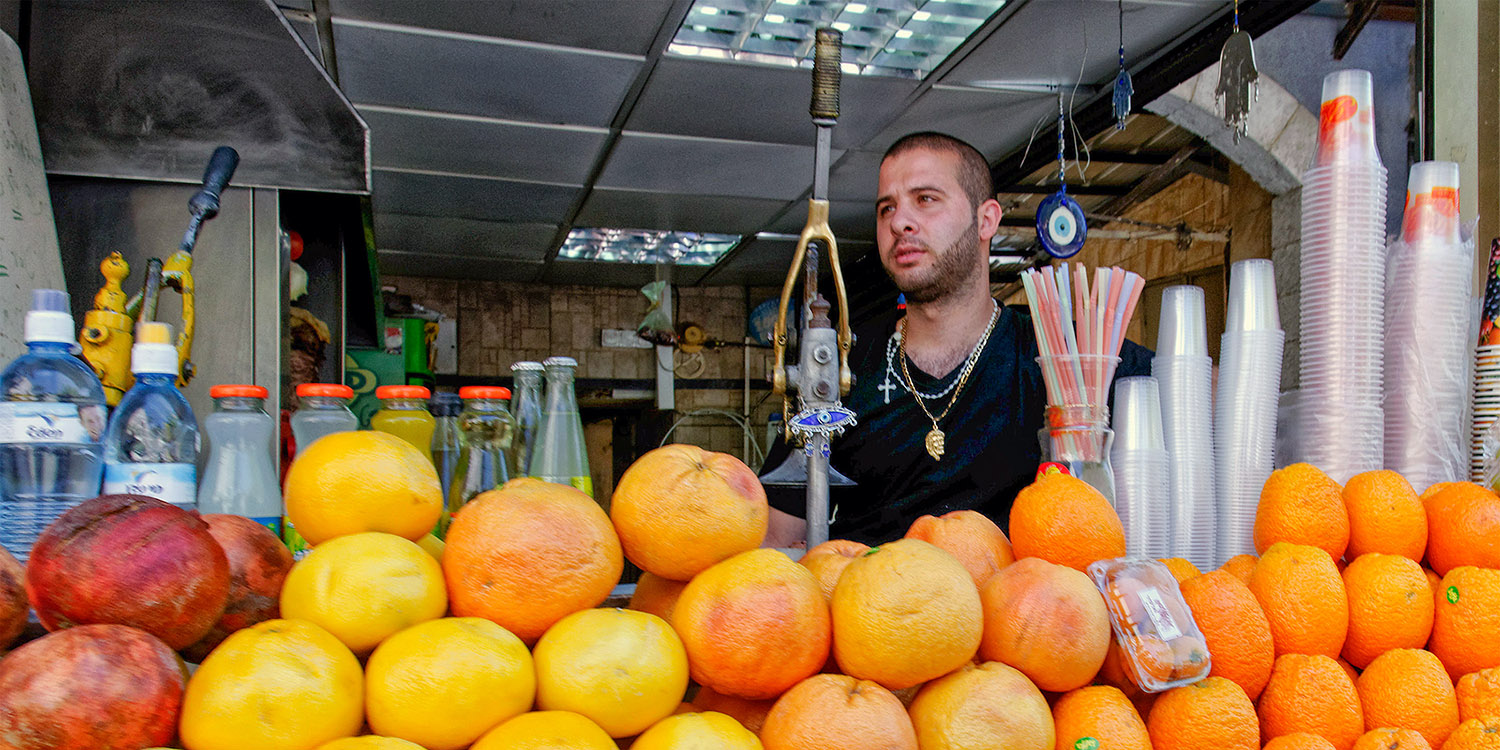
13 605
129 560
94 687
258 563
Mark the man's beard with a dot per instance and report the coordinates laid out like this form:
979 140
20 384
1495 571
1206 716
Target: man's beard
953 266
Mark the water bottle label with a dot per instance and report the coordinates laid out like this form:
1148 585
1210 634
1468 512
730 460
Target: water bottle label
270 522
41 422
174 483
294 541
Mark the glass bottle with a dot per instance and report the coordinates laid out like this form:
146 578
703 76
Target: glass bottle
151 445
527 409
323 410
239 477
446 438
52 415
487 429
403 413
560 454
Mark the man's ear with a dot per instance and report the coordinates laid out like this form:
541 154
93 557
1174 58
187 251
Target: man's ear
987 216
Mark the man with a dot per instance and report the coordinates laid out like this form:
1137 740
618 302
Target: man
957 363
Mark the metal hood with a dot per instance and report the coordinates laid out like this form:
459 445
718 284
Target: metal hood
145 89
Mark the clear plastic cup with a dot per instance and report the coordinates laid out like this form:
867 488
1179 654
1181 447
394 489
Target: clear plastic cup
1346 120
1138 415
1431 212
1252 297
1183 327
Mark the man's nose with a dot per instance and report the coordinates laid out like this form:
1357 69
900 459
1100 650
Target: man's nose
902 220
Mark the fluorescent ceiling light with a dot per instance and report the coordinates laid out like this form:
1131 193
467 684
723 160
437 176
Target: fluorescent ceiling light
647 246
905 39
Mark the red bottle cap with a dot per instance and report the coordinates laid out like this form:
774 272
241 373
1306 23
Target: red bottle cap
238 391
484 392
402 391
325 389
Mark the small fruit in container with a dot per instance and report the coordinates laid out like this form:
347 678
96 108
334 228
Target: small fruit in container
1161 644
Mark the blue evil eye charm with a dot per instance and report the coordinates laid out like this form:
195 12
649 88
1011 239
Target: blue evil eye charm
1060 225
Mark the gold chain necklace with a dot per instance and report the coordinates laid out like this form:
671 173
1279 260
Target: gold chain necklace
935 438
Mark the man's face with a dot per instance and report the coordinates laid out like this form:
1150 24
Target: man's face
926 228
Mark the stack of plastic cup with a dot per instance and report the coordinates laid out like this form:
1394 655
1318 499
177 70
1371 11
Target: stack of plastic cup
1342 427
1245 411
1184 374
1429 276
1143 476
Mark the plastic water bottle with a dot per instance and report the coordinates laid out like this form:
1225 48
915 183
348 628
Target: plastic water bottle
151 446
447 439
527 409
487 428
52 416
324 410
560 454
240 475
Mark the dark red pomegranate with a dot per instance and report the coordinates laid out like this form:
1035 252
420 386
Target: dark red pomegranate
258 563
13 605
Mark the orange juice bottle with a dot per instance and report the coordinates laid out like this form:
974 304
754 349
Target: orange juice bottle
403 413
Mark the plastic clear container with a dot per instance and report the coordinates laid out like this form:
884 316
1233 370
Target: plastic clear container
239 477
52 416
151 446
1162 645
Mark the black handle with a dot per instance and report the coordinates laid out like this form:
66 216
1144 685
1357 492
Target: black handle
221 168
827 57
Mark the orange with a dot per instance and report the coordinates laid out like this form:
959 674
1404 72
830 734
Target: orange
1102 714
528 554
443 684
1047 621
1408 688
1299 741
1349 670
362 481
1466 626
1479 694
692 731
370 742
276 684
1063 520
1463 522
1181 568
1385 516
751 713
1241 566
624 670
1436 488
1114 672
1235 628
989 705
1301 505
1475 734
980 546
1390 606
828 560
546 730
1303 597
1311 694
1435 582
837 712
905 613
1391 738
656 595
679 509
364 588
1211 713
755 604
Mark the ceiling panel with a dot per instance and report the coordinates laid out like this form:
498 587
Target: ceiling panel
467 268
598 273
480 76
471 198
707 166
994 122
744 101
467 237
611 25
474 146
1047 42
850 220
855 176
633 209
763 261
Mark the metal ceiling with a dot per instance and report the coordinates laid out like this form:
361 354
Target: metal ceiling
497 126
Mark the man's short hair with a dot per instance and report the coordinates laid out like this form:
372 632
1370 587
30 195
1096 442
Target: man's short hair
973 171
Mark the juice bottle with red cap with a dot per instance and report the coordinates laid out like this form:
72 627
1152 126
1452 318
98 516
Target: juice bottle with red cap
403 413
240 475
323 409
486 429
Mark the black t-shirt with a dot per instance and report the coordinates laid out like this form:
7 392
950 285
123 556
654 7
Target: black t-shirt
992 448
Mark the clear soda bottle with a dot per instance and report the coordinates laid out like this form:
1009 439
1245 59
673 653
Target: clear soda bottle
240 475
52 416
526 407
560 454
323 410
151 445
487 429
446 436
